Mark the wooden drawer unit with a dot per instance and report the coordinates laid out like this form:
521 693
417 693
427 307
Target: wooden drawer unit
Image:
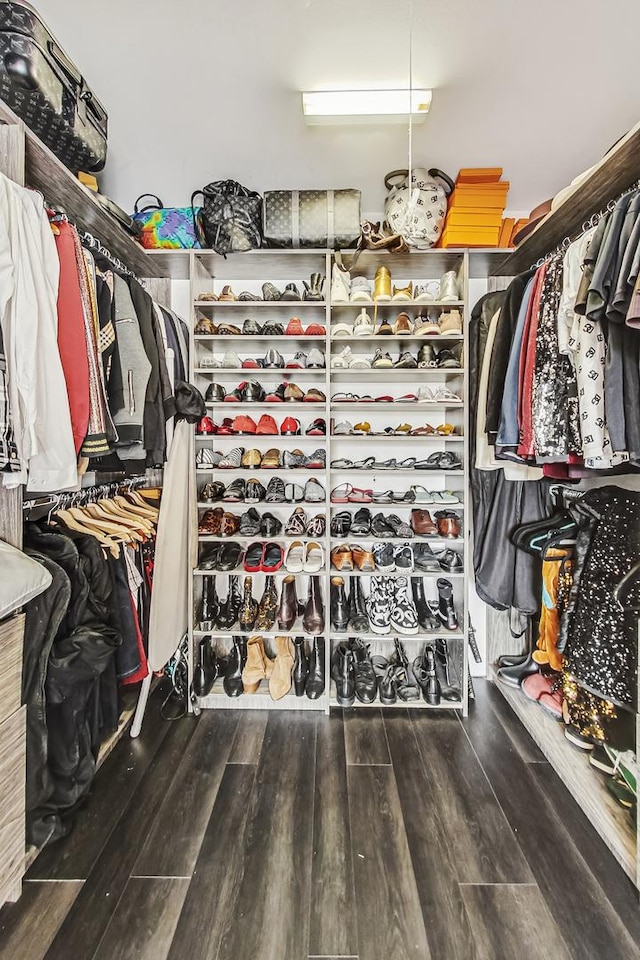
11 637
12 803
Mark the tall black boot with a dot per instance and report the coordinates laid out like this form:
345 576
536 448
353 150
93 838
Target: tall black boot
426 619
444 671
210 606
446 610
315 685
300 667
344 675
230 608
431 688
339 606
232 681
358 619
206 668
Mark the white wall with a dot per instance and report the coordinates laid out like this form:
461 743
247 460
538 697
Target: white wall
199 90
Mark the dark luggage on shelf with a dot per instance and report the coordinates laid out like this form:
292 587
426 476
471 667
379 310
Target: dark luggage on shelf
46 89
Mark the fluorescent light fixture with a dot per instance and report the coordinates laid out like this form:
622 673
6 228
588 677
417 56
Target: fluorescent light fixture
365 106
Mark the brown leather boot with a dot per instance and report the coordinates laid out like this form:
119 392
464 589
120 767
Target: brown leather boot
258 666
288 609
280 679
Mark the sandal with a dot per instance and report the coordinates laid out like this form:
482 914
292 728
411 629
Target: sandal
365 464
297 523
357 495
404 429
426 431
407 497
444 395
340 494
422 495
385 496
432 462
341 557
344 397
445 430
342 464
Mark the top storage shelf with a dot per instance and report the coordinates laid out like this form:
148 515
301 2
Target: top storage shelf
44 172
615 173
176 263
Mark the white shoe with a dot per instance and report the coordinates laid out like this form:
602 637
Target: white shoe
425 394
343 429
294 557
315 360
362 326
231 360
340 285
449 292
314 560
361 290
341 360
209 362
341 330
360 363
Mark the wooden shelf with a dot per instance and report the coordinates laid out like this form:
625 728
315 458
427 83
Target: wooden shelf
615 173
44 172
582 781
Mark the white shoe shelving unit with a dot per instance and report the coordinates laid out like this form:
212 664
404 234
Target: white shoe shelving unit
208 272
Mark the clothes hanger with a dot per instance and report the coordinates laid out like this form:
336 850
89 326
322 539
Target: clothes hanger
98 517
70 521
130 519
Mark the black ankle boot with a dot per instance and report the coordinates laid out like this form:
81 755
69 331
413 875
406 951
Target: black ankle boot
446 610
316 676
343 673
206 668
232 681
358 619
300 667
444 671
426 618
230 608
431 689
338 605
210 606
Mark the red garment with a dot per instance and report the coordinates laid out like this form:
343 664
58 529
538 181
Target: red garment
143 669
72 342
526 448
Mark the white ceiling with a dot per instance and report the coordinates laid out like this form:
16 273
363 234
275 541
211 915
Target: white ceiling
201 90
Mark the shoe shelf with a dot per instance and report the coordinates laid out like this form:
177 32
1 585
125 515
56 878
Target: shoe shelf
399 305
218 700
399 704
394 573
249 305
208 273
396 339
421 635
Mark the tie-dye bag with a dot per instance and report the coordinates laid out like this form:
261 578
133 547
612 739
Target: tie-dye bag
165 228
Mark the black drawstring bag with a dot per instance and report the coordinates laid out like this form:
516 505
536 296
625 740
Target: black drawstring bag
230 219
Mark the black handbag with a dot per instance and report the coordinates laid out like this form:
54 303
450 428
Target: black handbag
230 219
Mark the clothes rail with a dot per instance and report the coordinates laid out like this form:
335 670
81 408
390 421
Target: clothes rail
78 498
92 242
587 225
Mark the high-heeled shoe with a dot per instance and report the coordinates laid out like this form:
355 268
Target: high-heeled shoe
210 606
258 666
300 667
281 675
315 685
288 609
229 609
249 608
232 681
313 617
268 605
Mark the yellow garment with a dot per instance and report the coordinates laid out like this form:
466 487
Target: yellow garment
556 569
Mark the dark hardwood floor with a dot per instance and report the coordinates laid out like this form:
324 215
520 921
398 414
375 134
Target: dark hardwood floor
381 835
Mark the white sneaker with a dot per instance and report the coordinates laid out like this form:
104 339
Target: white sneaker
427 292
315 360
362 326
360 363
231 360
341 330
425 394
449 292
209 362
361 290
343 429
341 360
340 285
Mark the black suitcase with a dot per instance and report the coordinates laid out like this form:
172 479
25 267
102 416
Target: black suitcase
48 92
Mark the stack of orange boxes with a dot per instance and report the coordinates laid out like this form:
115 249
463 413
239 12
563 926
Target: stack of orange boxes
475 211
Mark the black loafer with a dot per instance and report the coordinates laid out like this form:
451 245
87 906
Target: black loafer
210 559
366 682
290 292
273 329
230 557
270 526
450 560
361 526
235 492
380 528
215 393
